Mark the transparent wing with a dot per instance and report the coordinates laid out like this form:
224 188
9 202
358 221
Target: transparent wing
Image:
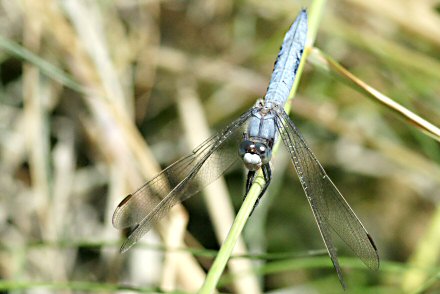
328 205
177 182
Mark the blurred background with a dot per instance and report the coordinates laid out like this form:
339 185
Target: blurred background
96 97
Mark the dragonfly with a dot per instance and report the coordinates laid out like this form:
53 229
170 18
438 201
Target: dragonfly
255 132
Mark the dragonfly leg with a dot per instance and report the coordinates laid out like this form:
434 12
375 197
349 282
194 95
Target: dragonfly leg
249 181
267 174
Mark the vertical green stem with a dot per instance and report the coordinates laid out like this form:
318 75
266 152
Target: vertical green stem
228 245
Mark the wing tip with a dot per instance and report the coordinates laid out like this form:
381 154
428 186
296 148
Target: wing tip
337 267
116 217
125 246
125 200
130 241
376 264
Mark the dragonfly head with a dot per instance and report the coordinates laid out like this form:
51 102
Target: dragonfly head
254 154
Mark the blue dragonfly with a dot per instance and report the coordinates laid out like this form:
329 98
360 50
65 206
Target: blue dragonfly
255 132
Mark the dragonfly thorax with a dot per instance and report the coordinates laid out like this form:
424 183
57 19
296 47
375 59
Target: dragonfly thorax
262 124
254 154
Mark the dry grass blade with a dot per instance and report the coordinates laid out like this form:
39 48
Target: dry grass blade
324 61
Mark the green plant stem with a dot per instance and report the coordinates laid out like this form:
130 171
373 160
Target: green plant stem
225 252
237 227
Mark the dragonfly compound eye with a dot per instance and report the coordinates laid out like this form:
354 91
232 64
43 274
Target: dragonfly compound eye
264 152
246 147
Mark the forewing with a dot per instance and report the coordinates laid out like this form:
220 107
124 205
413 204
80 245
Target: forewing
179 181
328 205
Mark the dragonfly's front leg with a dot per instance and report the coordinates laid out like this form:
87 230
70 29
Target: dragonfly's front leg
267 174
249 181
